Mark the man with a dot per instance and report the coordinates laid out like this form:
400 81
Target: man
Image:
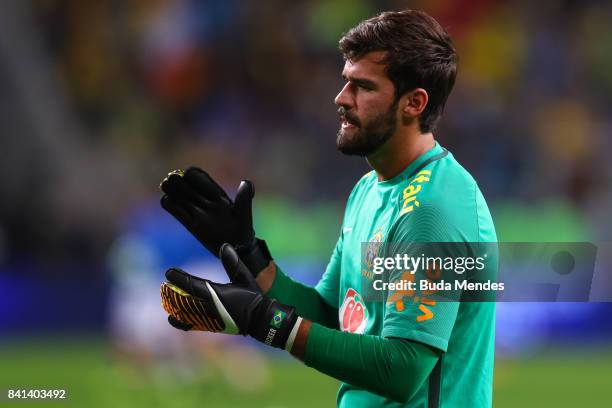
399 69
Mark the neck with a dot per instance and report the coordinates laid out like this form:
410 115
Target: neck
399 152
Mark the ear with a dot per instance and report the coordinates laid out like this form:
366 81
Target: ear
413 103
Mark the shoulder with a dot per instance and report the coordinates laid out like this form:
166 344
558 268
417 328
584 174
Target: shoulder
441 199
440 184
451 182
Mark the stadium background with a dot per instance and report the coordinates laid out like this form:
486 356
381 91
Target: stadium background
102 98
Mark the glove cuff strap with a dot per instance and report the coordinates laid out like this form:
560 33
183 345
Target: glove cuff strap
293 334
256 257
277 325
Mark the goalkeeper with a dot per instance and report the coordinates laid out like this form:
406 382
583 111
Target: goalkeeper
399 69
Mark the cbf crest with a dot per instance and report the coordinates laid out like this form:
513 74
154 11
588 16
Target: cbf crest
373 248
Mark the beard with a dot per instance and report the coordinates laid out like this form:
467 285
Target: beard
365 140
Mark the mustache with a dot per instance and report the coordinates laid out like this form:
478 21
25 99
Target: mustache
349 116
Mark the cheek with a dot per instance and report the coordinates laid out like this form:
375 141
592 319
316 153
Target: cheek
378 101
369 107
366 104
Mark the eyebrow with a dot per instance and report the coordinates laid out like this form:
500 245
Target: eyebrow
360 81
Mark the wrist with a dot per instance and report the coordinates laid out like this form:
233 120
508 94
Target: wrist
298 348
256 255
293 334
267 276
275 324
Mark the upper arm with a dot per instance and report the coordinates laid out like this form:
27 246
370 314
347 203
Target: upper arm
427 317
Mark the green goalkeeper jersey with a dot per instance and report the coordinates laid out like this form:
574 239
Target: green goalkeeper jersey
433 200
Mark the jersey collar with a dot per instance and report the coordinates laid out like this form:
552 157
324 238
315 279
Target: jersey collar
385 184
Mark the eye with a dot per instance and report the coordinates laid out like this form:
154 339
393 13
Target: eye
365 86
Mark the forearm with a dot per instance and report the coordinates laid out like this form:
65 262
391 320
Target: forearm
391 367
309 304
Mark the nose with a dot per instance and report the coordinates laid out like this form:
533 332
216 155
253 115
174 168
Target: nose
344 97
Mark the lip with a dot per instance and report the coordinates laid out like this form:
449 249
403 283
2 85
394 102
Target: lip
345 124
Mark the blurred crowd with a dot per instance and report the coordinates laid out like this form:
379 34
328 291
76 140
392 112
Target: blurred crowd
103 98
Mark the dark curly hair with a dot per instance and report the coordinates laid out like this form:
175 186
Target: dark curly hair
419 54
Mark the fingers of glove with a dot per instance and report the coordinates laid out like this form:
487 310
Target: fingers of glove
177 187
204 185
173 172
243 209
199 321
167 304
175 300
191 284
177 324
205 226
171 184
178 209
236 269
189 309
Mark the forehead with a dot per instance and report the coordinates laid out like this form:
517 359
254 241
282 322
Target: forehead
369 66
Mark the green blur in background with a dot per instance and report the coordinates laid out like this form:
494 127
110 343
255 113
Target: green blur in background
93 378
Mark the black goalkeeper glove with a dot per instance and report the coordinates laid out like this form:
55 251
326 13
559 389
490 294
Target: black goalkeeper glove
234 308
204 208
